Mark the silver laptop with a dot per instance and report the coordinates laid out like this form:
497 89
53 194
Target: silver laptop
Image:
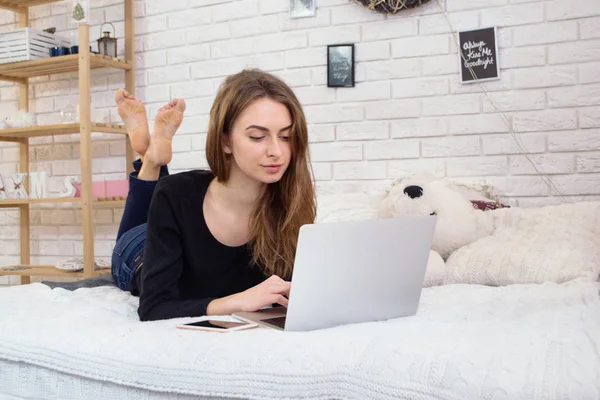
352 272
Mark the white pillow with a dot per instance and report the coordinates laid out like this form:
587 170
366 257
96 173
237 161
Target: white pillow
347 207
548 244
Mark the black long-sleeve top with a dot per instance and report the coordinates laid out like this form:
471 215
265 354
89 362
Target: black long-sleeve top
184 266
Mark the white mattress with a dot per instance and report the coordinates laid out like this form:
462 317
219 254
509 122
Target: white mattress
466 342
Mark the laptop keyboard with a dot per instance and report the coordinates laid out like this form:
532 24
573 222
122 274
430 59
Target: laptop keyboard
278 322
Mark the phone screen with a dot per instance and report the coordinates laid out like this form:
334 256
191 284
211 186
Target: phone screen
217 324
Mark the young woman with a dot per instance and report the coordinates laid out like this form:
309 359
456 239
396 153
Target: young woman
219 241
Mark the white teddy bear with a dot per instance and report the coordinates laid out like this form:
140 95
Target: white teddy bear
425 194
504 245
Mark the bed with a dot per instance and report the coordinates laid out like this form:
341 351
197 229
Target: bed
466 342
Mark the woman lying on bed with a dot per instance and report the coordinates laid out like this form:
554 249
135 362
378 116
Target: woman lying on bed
215 242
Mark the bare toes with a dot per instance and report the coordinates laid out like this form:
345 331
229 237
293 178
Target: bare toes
120 95
180 105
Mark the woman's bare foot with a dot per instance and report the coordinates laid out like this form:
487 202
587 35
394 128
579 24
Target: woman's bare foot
133 114
168 119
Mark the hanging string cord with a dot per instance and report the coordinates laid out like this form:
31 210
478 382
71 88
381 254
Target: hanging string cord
497 109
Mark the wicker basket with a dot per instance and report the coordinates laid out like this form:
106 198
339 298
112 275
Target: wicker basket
391 6
28 44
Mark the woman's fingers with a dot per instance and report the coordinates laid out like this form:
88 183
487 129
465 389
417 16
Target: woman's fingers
273 290
275 278
283 289
279 299
281 286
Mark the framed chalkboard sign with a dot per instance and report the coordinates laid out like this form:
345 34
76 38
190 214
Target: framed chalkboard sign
478 55
340 65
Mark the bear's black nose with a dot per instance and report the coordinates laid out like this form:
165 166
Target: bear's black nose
414 192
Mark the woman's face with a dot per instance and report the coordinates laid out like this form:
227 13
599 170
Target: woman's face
259 143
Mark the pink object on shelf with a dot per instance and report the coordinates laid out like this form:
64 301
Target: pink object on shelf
116 188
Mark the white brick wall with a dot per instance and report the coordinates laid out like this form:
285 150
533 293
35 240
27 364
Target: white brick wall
407 112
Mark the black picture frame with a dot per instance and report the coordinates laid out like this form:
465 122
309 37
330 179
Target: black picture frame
478 51
340 65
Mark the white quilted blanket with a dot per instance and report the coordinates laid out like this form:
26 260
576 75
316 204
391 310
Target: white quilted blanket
467 342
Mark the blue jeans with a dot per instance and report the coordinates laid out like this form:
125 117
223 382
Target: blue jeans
128 253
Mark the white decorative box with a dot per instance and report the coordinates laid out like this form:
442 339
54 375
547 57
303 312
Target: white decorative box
28 44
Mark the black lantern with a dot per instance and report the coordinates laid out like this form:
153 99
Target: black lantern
107 46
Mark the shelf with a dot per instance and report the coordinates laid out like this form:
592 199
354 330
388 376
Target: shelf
21 5
109 203
81 65
73 200
46 270
56 65
62 129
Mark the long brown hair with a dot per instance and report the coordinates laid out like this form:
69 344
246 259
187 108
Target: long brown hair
285 205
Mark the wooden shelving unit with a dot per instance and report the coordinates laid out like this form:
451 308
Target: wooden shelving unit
66 200
18 71
53 130
26 271
22 5
82 63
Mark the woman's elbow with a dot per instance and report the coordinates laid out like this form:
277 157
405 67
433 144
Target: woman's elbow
147 313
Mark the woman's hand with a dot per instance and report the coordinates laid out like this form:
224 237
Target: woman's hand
271 291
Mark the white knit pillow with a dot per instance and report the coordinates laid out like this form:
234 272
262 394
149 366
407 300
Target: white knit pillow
547 244
347 207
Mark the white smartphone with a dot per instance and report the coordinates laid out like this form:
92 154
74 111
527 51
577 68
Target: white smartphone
218 326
